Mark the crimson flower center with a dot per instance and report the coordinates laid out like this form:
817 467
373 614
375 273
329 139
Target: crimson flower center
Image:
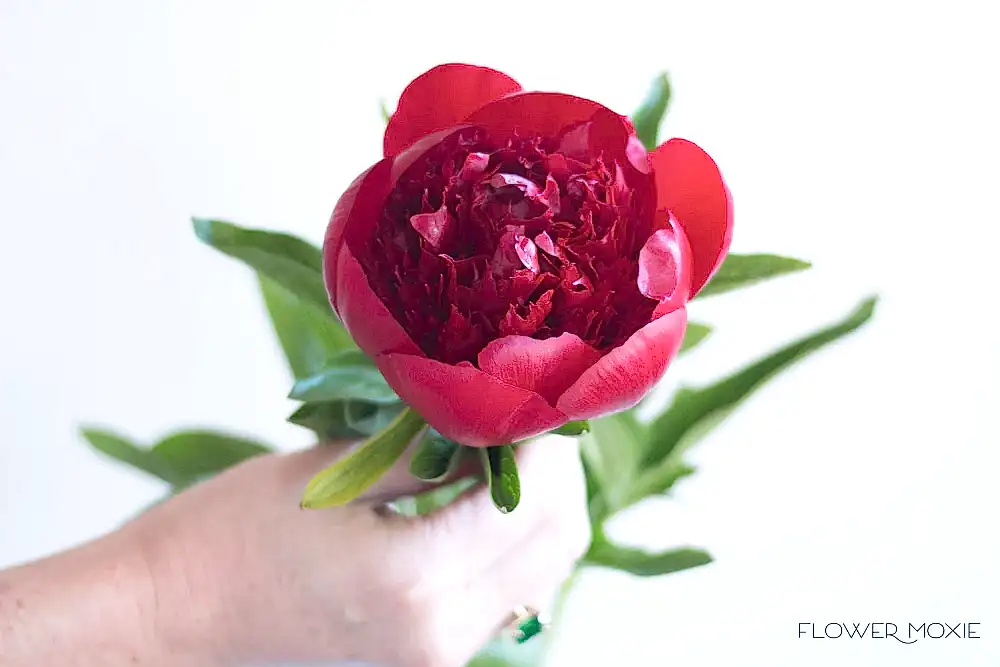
486 237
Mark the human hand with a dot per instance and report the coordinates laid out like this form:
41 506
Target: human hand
242 575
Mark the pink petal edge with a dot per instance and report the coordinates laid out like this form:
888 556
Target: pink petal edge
624 375
547 367
442 97
366 318
690 186
465 404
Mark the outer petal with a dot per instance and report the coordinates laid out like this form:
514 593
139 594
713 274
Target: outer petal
547 367
465 404
540 113
442 97
624 375
367 319
358 206
689 184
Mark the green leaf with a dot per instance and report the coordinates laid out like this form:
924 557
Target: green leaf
695 334
667 474
349 374
327 420
435 456
194 455
650 113
644 563
500 469
129 453
384 109
612 451
308 335
349 477
289 261
434 499
694 412
739 271
370 418
572 428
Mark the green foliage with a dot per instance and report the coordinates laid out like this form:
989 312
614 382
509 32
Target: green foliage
648 117
694 411
350 476
127 452
434 457
287 260
433 499
738 271
612 452
309 336
644 563
327 420
500 470
349 374
180 459
572 428
696 334
195 455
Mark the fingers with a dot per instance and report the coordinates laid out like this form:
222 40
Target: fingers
480 564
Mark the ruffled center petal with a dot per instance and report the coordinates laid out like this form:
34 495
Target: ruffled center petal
490 235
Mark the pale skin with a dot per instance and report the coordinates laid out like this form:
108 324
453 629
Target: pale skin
232 572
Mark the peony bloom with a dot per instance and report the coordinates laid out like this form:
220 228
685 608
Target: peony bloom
517 260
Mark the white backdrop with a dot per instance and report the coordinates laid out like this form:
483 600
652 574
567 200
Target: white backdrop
859 487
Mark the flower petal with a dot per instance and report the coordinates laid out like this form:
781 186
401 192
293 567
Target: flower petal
547 367
665 265
624 375
366 318
544 114
689 184
358 206
440 98
465 404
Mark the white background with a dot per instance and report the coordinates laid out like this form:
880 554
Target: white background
862 486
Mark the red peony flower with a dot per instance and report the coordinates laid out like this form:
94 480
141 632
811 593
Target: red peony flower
517 260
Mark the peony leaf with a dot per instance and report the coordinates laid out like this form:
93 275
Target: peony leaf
667 474
572 428
500 468
350 374
131 454
435 456
327 420
738 271
696 333
648 117
611 453
308 335
349 477
291 262
644 563
195 455
336 420
370 418
433 499
384 110
694 412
